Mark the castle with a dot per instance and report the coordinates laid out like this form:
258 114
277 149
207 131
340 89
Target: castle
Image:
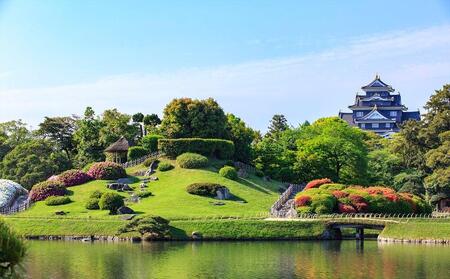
379 110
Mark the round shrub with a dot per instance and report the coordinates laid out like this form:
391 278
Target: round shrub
96 194
136 152
316 183
302 201
107 170
144 194
192 161
111 202
165 166
228 172
204 189
45 189
92 204
52 200
73 177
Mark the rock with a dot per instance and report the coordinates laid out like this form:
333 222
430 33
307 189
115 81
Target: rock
218 203
119 187
153 178
126 187
143 185
124 181
196 235
223 193
60 213
127 217
125 210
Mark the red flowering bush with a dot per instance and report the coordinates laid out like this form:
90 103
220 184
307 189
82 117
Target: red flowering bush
356 198
392 197
45 189
302 200
345 208
317 183
106 170
378 190
73 177
339 194
361 207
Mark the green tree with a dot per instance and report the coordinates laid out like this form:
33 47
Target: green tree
12 133
152 120
277 125
60 130
188 118
89 148
32 162
12 252
138 117
409 182
115 125
242 136
331 148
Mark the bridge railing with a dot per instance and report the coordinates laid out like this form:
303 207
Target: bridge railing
373 216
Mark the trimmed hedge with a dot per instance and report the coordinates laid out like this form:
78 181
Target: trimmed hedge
150 142
52 200
43 190
228 172
222 149
92 204
136 152
111 202
192 161
107 170
165 166
204 189
73 177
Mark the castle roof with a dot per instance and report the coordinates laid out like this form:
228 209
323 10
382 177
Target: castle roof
377 84
374 115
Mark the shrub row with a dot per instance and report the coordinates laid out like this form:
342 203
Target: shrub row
192 161
222 149
136 152
52 200
338 198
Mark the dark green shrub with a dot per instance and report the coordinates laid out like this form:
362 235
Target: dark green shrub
96 194
150 227
204 189
144 194
52 201
92 204
228 172
222 149
150 142
111 202
165 166
192 161
229 163
259 173
136 152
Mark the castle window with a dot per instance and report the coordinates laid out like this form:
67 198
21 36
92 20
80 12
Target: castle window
388 125
359 113
375 125
393 113
363 125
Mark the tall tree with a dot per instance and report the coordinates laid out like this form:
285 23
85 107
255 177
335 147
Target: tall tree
152 120
242 136
185 118
115 125
138 117
60 130
277 125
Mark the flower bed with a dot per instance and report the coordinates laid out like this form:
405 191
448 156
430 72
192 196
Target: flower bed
46 189
73 177
336 198
106 170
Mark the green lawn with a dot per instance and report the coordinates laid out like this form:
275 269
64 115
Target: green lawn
418 229
253 197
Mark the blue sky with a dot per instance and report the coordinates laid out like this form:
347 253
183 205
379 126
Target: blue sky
305 59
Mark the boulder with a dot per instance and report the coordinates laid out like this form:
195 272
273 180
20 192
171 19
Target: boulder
60 213
196 235
223 194
119 187
125 210
126 187
153 178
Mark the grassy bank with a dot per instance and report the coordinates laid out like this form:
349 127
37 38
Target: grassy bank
418 229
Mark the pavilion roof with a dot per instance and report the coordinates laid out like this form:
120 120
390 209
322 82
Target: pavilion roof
121 145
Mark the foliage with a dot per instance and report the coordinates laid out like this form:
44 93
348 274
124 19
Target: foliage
111 202
106 170
12 134
409 182
222 149
189 118
150 227
89 149
60 130
204 189
278 124
165 166
12 252
150 142
138 117
93 203
151 120
45 189
144 194
115 125
192 161
31 162
96 194
53 201
316 183
438 184
136 152
242 136
383 165
331 148
73 177
228 172
149 161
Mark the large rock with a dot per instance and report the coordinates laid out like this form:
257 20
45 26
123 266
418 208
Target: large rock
119 187
11 193
223 193
125 210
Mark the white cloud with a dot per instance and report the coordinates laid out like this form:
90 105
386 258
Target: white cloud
416 62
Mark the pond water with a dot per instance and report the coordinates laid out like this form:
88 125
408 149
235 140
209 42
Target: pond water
333 259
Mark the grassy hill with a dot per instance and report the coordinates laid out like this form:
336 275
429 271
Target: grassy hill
252 196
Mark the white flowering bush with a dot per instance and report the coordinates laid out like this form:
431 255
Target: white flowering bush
9 191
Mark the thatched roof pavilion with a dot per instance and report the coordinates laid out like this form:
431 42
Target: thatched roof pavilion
118 150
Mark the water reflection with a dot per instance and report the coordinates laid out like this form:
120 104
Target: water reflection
333 259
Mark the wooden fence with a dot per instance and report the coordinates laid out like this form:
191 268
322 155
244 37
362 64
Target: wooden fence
16 208
132 163
244 166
